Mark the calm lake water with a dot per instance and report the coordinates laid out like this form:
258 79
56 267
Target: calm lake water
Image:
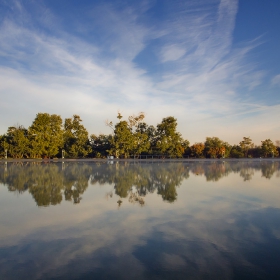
187 220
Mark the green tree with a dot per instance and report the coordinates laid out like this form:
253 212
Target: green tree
76 141
150 131
48 135
3 145
17 142
268 148
100 145
168 140
236 152
122 141
246 144
140 139
215 147
129 136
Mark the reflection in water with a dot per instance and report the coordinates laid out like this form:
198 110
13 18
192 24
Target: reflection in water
49 183
206 230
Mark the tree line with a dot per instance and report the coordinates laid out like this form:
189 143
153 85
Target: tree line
48 136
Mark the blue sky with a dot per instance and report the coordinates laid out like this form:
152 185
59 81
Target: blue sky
212 64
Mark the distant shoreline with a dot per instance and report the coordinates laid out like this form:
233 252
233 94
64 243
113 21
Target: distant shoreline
141 160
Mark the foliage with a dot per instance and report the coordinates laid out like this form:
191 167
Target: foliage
168 140
76 141
268 148
48 135
140 142
100 145
236 152
197 150
256 152
17 141
140 139
129 136
246 144
214 147
122 141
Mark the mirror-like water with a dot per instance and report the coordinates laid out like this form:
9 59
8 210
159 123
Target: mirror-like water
185 220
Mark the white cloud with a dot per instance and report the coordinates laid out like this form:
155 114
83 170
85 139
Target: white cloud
276 80
171 53
66 74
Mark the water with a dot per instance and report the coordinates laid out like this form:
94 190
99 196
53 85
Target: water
188 220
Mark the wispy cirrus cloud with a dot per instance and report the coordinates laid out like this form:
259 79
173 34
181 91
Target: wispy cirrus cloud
99 68
276 80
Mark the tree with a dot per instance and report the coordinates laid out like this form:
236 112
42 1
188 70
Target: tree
48 135
18 141
76 141
215 147
168 140
140 141
197 150
4 145
100 145
246 144
129 136
268 148
122 140
236 152
152 137
277 144
256 152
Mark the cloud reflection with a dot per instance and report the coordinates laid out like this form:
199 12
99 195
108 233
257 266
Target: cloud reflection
227 231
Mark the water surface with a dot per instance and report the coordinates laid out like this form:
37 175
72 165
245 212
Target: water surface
186 220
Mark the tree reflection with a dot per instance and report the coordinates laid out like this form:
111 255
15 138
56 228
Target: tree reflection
268 169
75 180
213 171
47 183
136 181
167 179
50 183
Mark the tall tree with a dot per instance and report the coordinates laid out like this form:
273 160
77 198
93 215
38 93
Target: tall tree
140 143
122 141
168 140
268 148
48 135
277 144
129 136
18 141
3 145
215 147
76 141
152 138
246 144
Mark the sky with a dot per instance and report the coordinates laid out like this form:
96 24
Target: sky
212 64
